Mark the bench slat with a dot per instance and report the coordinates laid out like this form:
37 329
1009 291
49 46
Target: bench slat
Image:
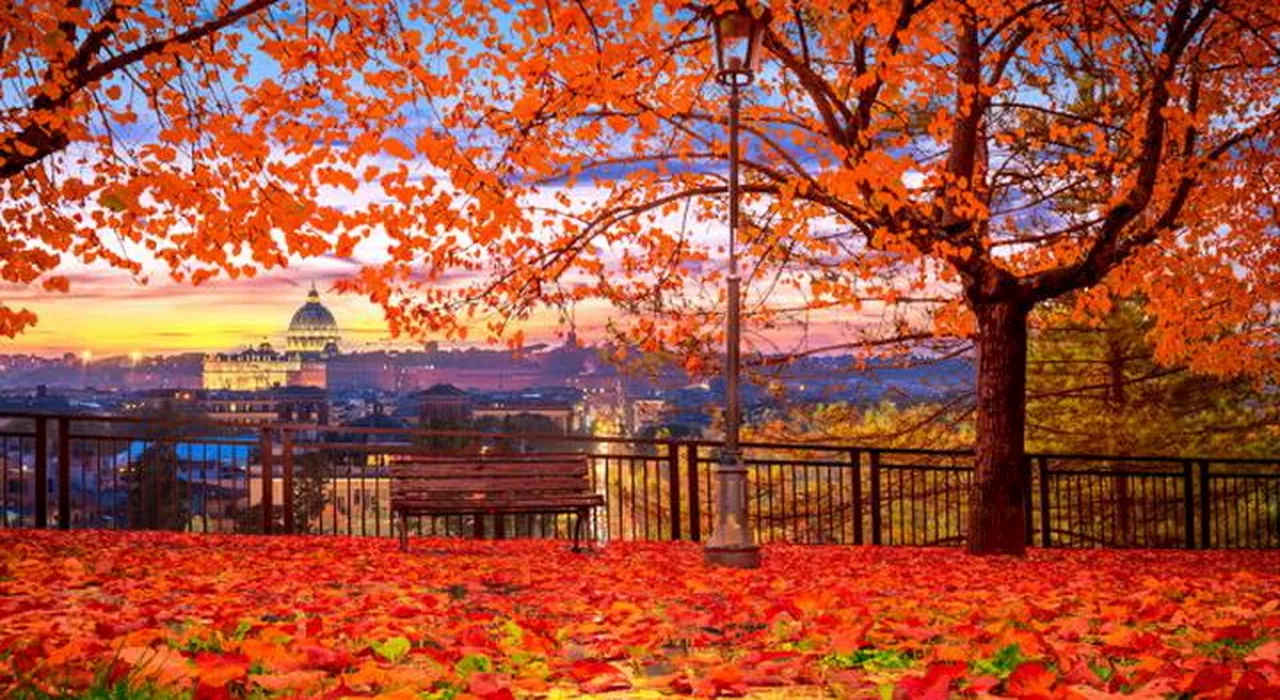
505 506
500 497
441 471
482 484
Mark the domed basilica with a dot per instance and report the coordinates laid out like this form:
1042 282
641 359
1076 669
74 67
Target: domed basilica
311 340
313 329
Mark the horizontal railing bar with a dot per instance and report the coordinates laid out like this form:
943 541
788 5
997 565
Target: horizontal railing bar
304 427
752 445
1152 458
203 440
93 418
360 430
412 449
817 447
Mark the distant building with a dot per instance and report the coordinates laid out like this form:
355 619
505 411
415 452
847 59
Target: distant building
257 369
559 406
645 412
443 405
367 371
312 340
377 427
489 371
292 404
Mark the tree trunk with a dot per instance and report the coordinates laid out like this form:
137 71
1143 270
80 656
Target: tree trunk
997 517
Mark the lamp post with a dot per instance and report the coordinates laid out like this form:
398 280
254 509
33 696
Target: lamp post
738 34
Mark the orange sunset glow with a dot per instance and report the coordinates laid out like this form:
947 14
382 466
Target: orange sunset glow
109 313
112 314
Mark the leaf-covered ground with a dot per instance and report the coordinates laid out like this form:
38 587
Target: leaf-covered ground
152 614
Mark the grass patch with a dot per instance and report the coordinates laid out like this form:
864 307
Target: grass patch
871 660
1000 664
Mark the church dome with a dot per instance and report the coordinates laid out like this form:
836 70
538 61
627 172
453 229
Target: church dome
313 316
313 328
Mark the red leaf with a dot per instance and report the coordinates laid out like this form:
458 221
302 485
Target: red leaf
326 659
217 670
1210 678
935 684
594 676
983 684
1233 633
1031 680
491 686
1254 686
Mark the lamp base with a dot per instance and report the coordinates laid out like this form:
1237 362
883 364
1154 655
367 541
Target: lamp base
744 556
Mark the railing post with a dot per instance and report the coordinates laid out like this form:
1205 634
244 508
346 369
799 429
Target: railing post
1205 509
267 478
875 497
1046 529
855 459
42 472
64 473
1029 535
695 505
286 486
1188 505
673 481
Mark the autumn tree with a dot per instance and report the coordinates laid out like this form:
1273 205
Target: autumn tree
204 135
1097 388
945 165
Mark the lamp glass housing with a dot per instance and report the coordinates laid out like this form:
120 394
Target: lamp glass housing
738 35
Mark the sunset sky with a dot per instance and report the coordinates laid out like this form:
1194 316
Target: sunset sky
109 313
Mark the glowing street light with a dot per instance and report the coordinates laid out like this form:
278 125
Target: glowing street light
738 34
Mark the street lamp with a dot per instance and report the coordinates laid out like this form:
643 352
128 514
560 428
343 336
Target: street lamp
738 33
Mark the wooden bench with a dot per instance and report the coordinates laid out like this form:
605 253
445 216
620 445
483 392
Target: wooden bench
493 485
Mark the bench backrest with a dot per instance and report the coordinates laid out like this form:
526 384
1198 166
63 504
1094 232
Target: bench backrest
489 478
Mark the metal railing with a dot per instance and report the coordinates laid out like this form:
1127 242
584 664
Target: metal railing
129 473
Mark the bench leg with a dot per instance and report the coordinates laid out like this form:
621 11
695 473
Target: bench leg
577 532
404 531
